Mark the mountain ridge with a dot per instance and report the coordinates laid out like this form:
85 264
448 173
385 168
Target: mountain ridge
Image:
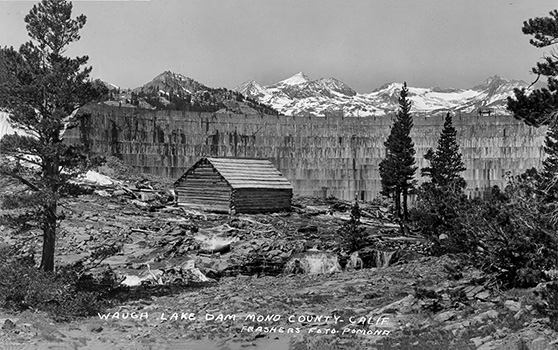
173 91
299 95
314 97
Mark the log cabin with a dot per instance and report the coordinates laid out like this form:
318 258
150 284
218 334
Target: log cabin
234 185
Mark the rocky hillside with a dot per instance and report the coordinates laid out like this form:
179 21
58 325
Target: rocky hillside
200 280
172 91
300 95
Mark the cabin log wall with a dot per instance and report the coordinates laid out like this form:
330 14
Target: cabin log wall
254 200
205 187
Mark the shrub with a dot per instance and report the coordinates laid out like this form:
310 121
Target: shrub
351 235
64 294
514 239
504 233
439 215
549 303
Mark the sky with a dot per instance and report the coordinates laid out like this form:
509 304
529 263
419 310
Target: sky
364 43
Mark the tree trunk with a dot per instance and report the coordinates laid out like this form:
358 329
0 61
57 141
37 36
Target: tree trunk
49 237
398 203
405 210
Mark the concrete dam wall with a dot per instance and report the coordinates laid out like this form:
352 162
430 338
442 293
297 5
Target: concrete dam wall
331 156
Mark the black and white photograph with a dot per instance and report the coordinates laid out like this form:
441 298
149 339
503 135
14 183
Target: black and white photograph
278 174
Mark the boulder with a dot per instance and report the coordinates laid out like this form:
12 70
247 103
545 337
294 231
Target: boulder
8 324
513 306
539 344
445 316
480 318
313 262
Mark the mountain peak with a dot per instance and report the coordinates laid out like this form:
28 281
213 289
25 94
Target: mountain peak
389 86
248 83
297 79
494 78
171 75
109 85
330 80
168 82
336 85
250 88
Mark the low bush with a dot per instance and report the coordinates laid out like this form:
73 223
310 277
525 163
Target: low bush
65 294
351 235
504 233
439 215
548 304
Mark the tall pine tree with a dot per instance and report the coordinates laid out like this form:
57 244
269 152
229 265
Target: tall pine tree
540 106
398 169
42 90
441 199
446 164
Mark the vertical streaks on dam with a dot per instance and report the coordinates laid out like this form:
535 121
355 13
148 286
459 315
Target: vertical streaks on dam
333 156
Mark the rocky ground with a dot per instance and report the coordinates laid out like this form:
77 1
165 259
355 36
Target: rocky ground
199 280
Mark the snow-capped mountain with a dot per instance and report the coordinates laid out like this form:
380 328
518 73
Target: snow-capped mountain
169 82
174 91
299 95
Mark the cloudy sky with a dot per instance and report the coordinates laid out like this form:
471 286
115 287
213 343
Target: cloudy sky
365 43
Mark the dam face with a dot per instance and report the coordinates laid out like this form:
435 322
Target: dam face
320 156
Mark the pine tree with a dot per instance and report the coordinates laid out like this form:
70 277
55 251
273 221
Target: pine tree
446 163
541 105
549 173
3 70
42 90
397 170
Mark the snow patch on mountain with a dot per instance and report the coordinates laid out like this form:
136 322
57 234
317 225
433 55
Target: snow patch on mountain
299 95
297 79
5 126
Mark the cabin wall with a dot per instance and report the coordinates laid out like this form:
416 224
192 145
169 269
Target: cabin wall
204 186
256 200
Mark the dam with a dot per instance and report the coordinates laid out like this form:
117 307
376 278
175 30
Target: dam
320 156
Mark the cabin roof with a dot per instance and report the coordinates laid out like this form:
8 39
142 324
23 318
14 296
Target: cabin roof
247 173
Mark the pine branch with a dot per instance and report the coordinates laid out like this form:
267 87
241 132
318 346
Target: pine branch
24 159
20 179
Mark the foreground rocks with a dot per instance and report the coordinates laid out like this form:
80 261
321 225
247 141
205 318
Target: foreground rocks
370 308
155 243
207 281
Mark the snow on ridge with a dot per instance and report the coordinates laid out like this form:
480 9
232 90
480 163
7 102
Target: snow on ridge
6 128
297 79
113 86
299 96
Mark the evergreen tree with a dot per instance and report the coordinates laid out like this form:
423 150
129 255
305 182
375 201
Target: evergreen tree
540 106
397 170
3 69
42 90
446 163
548 179
134 99
352 235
